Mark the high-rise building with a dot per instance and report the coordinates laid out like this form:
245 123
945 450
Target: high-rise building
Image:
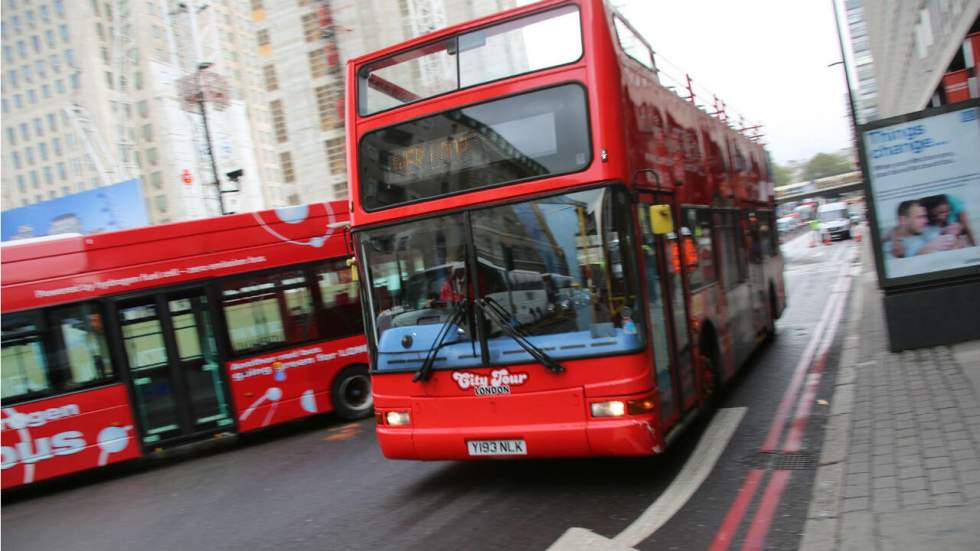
914 44
100 91
92 96
862 63
302 49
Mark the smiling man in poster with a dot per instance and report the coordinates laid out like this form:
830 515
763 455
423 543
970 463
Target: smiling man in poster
925 182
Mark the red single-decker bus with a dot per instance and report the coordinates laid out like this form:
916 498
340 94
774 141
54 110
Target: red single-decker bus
120 343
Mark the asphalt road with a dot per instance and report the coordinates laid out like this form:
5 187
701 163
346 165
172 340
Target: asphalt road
321 484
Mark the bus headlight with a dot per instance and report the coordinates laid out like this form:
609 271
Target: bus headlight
397 418
614 408
619 408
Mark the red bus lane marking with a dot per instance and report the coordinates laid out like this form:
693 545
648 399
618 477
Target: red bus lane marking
734 516
821 339
767 508
759 528
776 427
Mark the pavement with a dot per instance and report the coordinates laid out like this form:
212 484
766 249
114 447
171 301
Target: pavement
900 466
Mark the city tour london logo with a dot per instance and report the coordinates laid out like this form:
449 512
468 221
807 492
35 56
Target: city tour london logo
500 381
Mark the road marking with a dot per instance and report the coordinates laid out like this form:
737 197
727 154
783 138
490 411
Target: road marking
767 508
733 518
697 468
820 342
345 432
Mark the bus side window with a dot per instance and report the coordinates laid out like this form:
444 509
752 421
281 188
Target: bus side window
340 315
83 355
23 365
703 272
268 310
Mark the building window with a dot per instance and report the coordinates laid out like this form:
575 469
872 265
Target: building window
151 156
286 160
336 156
326 100
161 202
279 121
318 63
271 82
263 38
156 180
148 132
311 27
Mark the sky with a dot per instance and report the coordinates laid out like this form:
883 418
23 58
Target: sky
767 59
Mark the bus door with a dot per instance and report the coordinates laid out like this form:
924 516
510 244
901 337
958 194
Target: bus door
667 315
173 366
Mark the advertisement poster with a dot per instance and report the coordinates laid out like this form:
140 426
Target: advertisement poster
114 207
925 181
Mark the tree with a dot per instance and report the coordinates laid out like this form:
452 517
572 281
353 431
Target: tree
826 164
781 175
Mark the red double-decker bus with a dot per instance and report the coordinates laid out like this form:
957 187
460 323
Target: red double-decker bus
120 343
559 255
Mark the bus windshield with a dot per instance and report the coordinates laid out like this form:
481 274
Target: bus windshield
527 44
555 266
532 135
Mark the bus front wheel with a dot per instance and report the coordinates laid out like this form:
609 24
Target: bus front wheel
351 393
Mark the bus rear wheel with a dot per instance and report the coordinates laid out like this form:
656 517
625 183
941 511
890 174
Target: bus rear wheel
351 393
711 380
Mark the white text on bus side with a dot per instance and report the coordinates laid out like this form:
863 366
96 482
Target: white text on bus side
45 447
39 449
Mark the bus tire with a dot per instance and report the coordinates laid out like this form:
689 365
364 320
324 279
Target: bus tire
771 326
351 393
711 365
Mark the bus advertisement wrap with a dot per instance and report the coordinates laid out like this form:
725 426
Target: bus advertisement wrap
924 177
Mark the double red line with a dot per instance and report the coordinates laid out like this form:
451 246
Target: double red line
808 370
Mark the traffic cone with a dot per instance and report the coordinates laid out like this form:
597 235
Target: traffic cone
827 240
857 235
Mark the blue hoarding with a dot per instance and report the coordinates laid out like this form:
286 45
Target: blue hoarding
108 208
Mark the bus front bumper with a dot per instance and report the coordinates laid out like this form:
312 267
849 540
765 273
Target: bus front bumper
625 436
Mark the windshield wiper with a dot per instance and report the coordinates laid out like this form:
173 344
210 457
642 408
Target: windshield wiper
494 310
456 316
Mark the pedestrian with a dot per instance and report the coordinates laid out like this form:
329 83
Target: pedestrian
814 232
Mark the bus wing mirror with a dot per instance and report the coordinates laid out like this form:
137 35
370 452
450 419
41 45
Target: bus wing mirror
352 264
661 221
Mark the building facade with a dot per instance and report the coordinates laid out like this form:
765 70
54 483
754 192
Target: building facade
862 63
914 44
91 96
102 91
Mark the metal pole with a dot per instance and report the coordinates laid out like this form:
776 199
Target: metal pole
207 142
199 65
847 73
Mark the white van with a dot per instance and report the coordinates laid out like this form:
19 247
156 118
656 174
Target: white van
835 220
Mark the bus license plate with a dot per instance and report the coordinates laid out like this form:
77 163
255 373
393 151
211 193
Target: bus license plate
497 447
